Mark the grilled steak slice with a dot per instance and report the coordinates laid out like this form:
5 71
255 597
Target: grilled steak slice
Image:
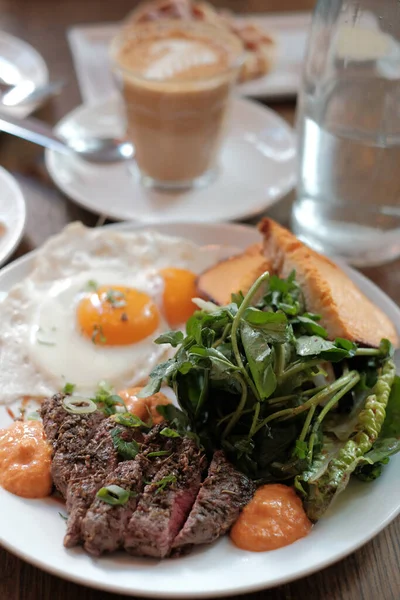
166 502
88 472
104 525
69 434
57 421
53 415
223 494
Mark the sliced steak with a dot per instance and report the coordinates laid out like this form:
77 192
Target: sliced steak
89 469
166 502
69 434
223 494
104 525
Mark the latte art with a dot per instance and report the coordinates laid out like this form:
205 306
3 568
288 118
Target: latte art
175 57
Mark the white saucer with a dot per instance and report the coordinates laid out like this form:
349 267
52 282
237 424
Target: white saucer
257 168
12 215
20 62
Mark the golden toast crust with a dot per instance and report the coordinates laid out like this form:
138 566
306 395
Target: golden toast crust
233 275
345 311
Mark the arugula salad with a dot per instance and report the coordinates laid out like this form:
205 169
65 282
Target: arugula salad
259 379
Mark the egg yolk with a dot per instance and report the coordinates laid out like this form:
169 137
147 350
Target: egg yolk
179 289
117 316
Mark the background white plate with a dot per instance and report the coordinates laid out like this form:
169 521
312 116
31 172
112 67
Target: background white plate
12 215
257 168
19 62
34 530
89 46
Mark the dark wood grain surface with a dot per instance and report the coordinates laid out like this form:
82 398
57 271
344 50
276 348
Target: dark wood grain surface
372 572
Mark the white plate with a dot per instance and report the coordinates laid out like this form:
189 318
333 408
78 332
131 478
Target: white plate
34 530
20 62
89 46
257 168
12 215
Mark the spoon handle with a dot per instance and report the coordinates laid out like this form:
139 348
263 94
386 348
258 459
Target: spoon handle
34 131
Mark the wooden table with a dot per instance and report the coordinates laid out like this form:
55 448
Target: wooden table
372 572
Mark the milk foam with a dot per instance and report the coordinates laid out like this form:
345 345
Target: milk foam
172 57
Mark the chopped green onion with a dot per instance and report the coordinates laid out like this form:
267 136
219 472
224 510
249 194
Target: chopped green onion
171 433
44 343
116 298
113 495
69 388
33 416
127 450
98 335
159 453
162 483
129 420
77 405
92 285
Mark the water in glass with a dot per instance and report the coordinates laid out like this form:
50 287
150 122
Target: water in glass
348 200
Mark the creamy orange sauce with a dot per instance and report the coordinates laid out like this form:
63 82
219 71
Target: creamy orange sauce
25 460
144 407
273 518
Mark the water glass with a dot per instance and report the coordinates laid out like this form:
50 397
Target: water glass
348 120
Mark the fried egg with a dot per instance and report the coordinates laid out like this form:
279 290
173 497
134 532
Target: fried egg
91 308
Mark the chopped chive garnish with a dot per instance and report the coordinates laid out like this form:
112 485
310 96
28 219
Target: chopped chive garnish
113 495
171 433
69 388
77 405
159 453
115 298
98 335
129 420
92 285
162 484
44 343
127 450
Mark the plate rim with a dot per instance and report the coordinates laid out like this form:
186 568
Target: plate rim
28 47
16 41
246 104
24 262
19 198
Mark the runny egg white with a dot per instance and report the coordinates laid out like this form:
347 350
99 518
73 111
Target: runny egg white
92 307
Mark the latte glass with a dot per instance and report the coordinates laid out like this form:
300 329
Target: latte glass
176 79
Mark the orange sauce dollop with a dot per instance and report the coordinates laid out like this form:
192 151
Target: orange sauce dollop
273 518
144 407
25 460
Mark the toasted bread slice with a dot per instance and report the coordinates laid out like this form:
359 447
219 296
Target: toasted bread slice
345 311
236 274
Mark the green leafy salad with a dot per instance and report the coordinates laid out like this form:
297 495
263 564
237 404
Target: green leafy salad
260 379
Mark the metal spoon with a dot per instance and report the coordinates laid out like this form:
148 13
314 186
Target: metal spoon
96 150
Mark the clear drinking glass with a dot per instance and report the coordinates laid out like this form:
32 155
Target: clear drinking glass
176 79
348 200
